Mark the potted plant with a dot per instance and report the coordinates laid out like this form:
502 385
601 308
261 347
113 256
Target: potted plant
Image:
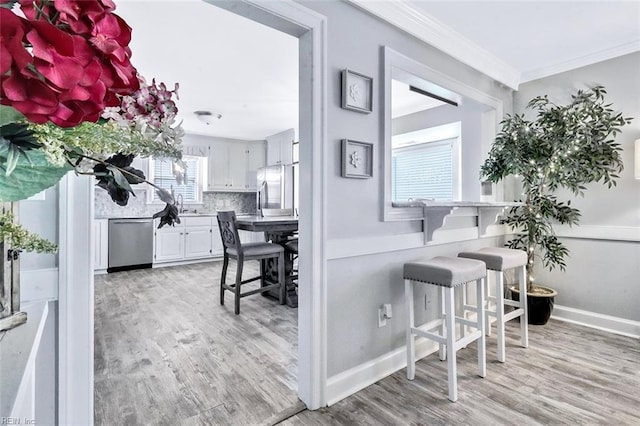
564 147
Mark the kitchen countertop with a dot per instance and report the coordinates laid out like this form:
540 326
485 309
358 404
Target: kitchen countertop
243 214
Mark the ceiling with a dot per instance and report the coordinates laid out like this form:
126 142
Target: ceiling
224 63
248 73
540 38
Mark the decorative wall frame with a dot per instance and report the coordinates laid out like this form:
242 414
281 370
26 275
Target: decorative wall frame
357 92
357 159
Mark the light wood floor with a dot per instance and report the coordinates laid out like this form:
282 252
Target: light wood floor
167 353
570 375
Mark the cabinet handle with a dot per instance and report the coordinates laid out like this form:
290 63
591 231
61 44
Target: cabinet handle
181 233
186 233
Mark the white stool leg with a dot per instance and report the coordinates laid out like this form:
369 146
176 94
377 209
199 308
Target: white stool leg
441 312
411 354
487 322
482 358
524 319
452 373
500 315
463 327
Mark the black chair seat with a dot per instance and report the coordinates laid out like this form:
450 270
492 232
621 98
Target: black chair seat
292 246
256 249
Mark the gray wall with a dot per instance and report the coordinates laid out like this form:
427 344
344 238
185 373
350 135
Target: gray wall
602 276
355 40
357 286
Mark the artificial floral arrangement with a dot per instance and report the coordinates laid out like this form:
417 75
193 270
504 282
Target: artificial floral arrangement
71 100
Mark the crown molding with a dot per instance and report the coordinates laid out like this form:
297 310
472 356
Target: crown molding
582 61
403 15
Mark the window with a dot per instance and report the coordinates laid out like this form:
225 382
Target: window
161 174
423 170
425 164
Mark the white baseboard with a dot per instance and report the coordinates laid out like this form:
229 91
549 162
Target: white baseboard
186 262
39 284
357 378
603 322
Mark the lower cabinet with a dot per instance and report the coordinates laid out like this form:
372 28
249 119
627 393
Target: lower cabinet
169 244
195 238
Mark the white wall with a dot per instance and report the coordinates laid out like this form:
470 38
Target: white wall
602 274
358 285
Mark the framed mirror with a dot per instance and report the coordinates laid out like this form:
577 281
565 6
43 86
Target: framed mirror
438 132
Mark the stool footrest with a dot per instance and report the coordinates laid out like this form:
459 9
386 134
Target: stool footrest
512 303
475 335
513 314
472 308
430 325
467 322
435 337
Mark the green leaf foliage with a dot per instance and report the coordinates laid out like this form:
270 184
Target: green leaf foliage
21 239
566 146
32 174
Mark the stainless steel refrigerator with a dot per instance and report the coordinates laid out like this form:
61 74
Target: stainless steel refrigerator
276 188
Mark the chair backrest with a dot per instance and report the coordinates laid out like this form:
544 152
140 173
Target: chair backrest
276 212
229 230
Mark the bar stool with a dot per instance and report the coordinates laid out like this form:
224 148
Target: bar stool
447 273
499 259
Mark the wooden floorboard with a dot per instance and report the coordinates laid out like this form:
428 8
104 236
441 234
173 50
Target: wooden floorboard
570 375
167 353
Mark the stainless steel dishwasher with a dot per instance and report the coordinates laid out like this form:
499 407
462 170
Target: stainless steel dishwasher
130 244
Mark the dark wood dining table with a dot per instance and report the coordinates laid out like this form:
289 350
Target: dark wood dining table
279 230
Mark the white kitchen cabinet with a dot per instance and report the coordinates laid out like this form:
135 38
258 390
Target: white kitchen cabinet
197 237
101 244
280 147
216 240
233 165
169 244
256 159
197 241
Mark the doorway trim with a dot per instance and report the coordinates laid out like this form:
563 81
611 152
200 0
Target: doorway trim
76 291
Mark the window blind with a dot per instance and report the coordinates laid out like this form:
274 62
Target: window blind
423 170
163 177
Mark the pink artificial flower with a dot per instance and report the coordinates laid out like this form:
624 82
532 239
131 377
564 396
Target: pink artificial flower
12 51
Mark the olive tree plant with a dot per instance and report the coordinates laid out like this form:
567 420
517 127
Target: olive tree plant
565 146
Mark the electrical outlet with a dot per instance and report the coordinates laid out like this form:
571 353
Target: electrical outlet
382 320
384 313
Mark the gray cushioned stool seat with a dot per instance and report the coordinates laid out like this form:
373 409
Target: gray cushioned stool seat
497 258
445 271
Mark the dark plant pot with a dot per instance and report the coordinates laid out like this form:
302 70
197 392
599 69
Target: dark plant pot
539 303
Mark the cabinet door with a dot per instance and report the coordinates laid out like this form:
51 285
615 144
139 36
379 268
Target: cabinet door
237 166
169 244
273 152
256 159
286 151
219 166
101 244
216 241
197 242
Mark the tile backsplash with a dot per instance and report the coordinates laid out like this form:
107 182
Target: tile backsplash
241 202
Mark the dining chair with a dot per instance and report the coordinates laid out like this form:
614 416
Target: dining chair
234 249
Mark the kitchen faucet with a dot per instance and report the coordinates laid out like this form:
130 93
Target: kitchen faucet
180 203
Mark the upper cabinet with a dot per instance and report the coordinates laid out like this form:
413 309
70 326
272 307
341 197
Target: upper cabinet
280 147
233 165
